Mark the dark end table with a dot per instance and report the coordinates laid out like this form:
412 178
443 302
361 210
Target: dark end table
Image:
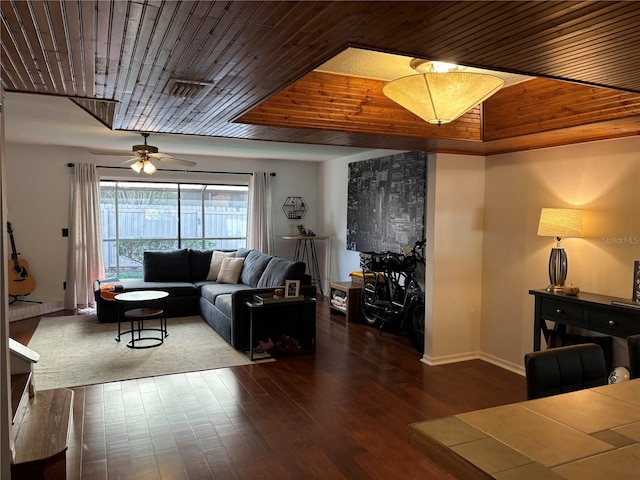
294 319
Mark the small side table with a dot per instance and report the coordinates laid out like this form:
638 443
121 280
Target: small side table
140 335
271 320
306 252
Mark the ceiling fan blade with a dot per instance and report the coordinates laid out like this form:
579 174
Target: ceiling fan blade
133 159
113 153
169 158
179 161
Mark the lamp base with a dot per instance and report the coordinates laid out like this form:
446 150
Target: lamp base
557 270
555 288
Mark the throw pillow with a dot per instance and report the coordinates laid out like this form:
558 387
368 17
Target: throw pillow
230 270
216 263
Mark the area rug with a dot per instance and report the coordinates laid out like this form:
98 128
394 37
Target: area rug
79 350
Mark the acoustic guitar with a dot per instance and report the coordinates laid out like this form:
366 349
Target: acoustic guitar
21 282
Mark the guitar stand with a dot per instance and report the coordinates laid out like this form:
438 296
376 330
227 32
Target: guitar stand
14 298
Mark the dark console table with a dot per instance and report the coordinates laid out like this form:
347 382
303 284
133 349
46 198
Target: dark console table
589 311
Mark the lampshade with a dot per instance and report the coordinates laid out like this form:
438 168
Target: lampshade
442 97
560 223
149 167
137 167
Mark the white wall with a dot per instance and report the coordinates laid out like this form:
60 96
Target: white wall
6 438
603 179
455 200
38 201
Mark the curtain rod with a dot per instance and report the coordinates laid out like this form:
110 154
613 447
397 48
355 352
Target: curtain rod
273 174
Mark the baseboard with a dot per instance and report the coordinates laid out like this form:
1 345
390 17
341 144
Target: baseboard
444 359
512 367
20 310
463 357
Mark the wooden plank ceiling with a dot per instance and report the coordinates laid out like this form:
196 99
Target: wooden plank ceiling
245 69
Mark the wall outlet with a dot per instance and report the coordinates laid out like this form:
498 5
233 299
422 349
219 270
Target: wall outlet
65 232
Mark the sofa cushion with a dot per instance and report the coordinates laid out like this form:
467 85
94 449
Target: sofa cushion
224 304
199 261
243 252
211 291
278 270
230 270
216 262
254 266
175 289
167 266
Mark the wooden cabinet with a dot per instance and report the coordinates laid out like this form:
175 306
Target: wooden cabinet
345 297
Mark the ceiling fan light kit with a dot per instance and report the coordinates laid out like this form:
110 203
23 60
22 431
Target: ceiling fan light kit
144 166
137 167
149 167
142 157
438 96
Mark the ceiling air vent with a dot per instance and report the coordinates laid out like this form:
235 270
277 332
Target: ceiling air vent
188 89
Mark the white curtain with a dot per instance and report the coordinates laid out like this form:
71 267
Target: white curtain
85 261
259 224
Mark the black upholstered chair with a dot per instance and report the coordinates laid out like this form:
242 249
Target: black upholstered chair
633 342
564 369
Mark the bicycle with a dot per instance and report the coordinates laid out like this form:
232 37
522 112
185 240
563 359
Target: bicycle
392 295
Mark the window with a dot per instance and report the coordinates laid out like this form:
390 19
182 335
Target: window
140 216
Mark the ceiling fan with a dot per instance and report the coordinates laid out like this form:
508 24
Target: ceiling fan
142 155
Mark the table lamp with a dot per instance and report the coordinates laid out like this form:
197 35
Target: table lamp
559 223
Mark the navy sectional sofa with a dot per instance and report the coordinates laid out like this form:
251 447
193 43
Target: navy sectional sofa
183 273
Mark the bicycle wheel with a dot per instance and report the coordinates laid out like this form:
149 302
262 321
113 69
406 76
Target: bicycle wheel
414 320
369 310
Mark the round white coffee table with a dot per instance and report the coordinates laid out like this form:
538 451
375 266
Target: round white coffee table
149 305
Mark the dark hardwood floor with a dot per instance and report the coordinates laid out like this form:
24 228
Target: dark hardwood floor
342 413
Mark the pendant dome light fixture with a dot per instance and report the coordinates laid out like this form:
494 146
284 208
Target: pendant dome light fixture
441 93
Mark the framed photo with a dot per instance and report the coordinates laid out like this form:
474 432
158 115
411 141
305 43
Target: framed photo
291 288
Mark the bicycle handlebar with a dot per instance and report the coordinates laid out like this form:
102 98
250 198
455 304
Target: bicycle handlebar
394 262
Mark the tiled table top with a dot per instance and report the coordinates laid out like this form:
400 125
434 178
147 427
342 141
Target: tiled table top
588 434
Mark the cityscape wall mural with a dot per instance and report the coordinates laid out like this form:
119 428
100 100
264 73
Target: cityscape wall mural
386 202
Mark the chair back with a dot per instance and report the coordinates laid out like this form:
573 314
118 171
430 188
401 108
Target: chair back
564 369
633 342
